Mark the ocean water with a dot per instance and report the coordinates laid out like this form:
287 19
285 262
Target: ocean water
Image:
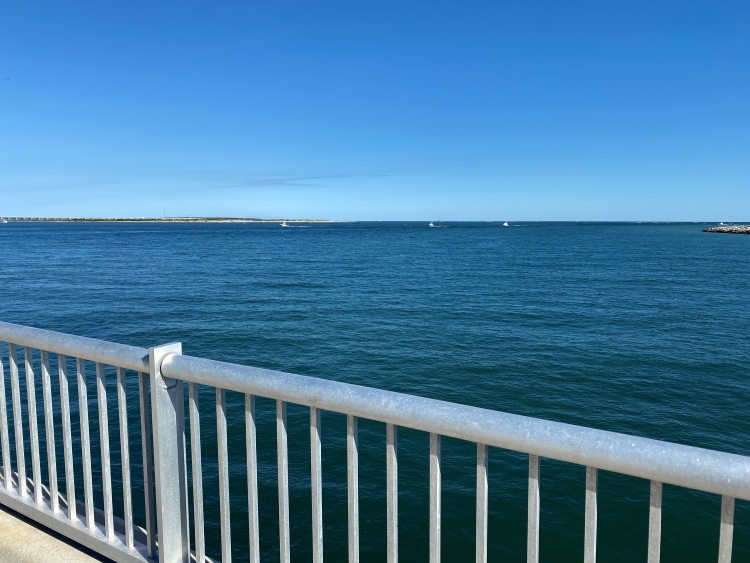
635 328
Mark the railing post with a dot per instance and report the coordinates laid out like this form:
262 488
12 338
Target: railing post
168 415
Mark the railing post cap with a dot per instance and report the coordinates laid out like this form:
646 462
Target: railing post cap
171 348
156 355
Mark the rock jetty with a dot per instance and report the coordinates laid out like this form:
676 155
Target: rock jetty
733 229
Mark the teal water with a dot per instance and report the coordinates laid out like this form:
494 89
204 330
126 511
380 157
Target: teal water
635 328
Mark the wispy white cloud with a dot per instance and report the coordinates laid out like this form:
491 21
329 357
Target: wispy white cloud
305 180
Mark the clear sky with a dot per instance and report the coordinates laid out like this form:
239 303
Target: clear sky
534 110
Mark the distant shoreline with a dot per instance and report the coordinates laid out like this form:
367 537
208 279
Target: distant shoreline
155 220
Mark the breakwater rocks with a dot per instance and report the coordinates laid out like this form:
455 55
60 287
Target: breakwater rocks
733 229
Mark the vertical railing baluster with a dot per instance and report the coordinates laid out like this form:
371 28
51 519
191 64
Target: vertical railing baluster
36 469
83 411
148 462
726 530
101 396
4 435
316 485
283 470
482 503
352 475
70 488
589 541
252 479
17 420
532 545
49 430
127 491
195 454
435 498
224 508
654 523
391 461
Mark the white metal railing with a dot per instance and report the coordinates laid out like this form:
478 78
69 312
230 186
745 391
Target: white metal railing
163 370
97 529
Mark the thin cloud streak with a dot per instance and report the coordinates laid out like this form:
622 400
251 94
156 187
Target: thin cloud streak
304 180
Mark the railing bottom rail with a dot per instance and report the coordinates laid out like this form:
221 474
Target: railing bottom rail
94 539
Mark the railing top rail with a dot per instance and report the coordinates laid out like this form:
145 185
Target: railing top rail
121 355
687 466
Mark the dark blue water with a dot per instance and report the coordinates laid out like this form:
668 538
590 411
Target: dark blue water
636 328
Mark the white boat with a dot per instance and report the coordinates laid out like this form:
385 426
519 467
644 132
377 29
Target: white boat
430 225
283 224
506 224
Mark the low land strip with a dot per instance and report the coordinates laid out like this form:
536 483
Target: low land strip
155 220
732 229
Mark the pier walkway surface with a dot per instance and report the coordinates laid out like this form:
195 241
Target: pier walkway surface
23 541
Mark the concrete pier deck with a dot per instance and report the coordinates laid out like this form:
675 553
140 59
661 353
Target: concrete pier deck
22 541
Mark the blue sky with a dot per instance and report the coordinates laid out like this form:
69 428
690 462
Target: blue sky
382 110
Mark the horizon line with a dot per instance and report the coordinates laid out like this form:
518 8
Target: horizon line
220 219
